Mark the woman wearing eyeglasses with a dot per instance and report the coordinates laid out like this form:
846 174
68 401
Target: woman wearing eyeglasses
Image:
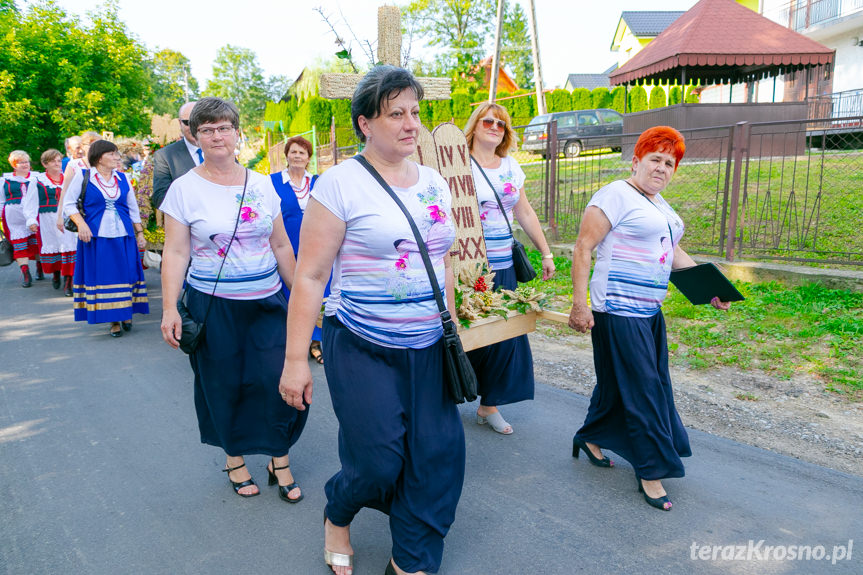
108 284
504 370
227 220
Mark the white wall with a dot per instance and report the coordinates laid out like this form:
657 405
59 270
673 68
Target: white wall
848 71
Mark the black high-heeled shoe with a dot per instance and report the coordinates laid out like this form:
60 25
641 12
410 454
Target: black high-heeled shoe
662 503
578 444
283 489
240 484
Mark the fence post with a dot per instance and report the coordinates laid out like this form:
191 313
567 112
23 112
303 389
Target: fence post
333 141
741 142
552 177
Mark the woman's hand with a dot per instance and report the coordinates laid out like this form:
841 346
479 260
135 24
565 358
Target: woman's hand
34 228
84 233
172 326
296 384
548 268
61 224
719 304
581 318
142 241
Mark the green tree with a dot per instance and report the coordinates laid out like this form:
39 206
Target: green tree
459 28
581 99
675 95
600 98
559 101
618 98
238 77
59 76
637 99
657 98
171 81
515 48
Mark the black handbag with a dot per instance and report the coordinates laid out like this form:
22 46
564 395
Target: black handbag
5 251
193 332
68 222
524 270
459 376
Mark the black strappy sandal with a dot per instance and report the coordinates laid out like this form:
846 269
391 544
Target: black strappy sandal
316 352
283 489
240 484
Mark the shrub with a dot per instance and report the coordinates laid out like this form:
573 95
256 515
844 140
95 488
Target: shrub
522 107
637 99
657 97
600 98
441 111
461 101
618 96
426 114
691 98
320 115
302 122
581 99
341 109
558 101
675 95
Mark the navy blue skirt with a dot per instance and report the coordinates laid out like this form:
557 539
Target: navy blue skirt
504 370
632 407
237 370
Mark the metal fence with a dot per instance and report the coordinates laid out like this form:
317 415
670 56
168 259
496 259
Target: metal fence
775 190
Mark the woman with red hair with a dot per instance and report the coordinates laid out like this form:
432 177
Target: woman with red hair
637 238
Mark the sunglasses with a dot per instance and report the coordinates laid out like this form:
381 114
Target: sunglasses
489 122
184 122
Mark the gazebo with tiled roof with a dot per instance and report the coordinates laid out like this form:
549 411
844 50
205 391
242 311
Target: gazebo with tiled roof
720 41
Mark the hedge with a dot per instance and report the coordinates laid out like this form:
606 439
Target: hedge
637 99
600 98
581 99
618 97
690 97
461 100
657 98
675 95
558 101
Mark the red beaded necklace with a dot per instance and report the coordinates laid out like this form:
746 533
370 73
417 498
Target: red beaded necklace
105 187
53 181
305 188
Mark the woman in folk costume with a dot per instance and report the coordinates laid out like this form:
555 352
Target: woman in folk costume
16 185
57 247
108 284
75 165
294 185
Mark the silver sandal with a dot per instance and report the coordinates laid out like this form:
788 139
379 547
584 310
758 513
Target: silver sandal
497 422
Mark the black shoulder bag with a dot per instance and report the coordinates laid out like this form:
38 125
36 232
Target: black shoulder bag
68 222
193 332
459 376
524 271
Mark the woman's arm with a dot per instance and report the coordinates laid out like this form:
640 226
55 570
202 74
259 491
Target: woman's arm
68 175
135 216
529 221
284 251
69 201
594 227
449 287
175 258
321 236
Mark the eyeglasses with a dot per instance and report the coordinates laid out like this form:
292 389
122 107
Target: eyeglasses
208 132
489 122
184 122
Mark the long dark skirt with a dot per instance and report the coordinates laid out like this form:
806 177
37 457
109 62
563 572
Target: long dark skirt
237 371
504 370
401 442
632 408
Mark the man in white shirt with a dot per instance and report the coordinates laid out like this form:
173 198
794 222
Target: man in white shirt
174 160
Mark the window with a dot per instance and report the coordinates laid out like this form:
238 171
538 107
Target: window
588 120
609 117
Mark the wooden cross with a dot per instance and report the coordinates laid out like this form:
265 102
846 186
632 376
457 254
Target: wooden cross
337 86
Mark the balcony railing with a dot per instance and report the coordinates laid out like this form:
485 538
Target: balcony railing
802 14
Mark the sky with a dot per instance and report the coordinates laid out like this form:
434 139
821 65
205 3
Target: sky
574 35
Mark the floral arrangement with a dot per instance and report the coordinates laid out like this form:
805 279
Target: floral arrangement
141 179
475 299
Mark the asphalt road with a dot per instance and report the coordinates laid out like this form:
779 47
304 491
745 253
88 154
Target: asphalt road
102 472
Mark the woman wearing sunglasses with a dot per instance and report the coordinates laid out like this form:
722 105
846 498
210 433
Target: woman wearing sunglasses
504 370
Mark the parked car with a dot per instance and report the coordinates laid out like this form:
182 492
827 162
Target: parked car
600 128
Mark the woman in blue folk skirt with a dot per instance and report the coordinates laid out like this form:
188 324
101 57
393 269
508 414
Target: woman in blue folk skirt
108 285
401 441
294 185
637 238
504 370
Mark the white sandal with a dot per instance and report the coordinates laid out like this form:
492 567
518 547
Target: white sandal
497 422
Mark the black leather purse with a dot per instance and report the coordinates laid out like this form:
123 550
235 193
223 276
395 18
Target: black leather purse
193 332
459 376
524 271
68 222
5 251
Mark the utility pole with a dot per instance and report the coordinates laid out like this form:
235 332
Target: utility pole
494 72
537 68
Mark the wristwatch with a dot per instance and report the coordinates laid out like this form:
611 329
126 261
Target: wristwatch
548 257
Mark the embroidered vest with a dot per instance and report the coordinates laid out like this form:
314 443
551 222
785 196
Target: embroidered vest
48 198
14 191
95 204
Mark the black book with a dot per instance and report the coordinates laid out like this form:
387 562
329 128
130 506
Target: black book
703 282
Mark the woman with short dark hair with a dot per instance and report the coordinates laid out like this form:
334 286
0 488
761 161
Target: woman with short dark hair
401 441
636 234
108 285
294 185
224 223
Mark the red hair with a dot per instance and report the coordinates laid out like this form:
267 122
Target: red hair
662 139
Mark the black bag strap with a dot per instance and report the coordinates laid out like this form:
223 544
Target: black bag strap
494 191
84 184
445 317
228 249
